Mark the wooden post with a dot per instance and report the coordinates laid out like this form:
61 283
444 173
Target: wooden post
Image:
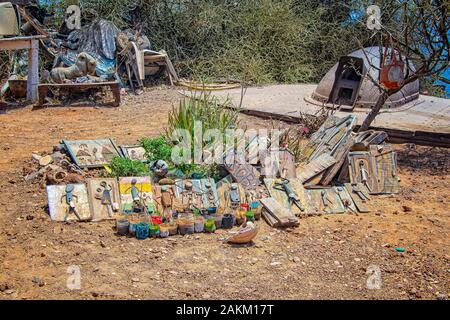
33 71
32 45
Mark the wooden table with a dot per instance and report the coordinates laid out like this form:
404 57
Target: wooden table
113 85
32 45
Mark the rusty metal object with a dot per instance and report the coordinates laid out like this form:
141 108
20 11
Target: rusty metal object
367 93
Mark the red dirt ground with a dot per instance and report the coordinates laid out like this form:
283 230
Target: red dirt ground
325 257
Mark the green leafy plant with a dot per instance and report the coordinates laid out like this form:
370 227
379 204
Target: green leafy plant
124 167
204 170
156 148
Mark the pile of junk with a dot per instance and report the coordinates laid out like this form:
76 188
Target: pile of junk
340 173
85 55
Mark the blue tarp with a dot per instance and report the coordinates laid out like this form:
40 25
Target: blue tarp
106 68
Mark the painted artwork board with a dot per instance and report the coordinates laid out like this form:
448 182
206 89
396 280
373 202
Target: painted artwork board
324 201
346 199
224 194
282 197
157 197
385 164
92 153
134 152
144 196
58 206
242 172
197 196
362 170
104 198
360 196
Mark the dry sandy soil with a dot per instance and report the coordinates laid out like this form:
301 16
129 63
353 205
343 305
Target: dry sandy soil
325 257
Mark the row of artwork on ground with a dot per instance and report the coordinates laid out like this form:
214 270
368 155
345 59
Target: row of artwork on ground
96 153
105 198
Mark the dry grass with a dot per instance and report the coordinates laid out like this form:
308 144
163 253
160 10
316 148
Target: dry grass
297 137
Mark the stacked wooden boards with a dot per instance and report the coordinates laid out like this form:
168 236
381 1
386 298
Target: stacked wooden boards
276 214
315 167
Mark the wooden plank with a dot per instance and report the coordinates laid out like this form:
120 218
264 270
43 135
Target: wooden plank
325 200
99 209
242 172
359 161
424 138
385 170
157 195
269 218
32 44
223 191
154 58
33 71
314 181
172 72
332 135
418 137
346 199
179 187
136 59
18 43
198 193
340 157
86 85
113 85
314 167
215 202
282 197
287 164
280 213
360 201
366 138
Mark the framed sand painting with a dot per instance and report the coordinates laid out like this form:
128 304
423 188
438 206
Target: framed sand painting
104 198
135 194
68 202
92 153
135 152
